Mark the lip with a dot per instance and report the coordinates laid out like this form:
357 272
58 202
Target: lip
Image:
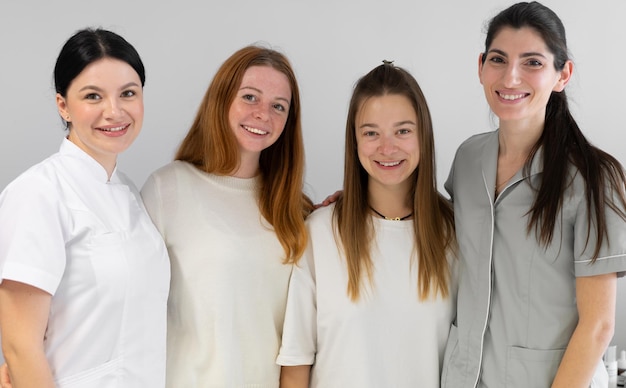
389 164
254 130
511 96
114 130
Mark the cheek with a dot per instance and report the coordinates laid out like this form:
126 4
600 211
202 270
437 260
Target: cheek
235 114
364 150
279 123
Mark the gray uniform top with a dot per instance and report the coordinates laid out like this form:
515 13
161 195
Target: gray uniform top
517 299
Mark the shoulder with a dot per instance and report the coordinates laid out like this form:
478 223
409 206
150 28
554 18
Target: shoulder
43 178
322 215
170 170
476 142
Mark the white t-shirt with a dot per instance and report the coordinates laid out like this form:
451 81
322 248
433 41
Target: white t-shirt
386 339
91 245
229 286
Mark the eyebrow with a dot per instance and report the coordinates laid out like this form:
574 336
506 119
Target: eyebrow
398 124
98 89
523 55
261 92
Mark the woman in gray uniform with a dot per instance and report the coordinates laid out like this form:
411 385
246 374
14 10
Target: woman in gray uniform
540 223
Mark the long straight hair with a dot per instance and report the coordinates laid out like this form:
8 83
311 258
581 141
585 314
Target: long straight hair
562 140
211 146
433 219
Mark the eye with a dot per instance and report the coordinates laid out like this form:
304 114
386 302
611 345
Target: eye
534 63
279 107
92 96
128 93
404 131
249 97
496 59
369 133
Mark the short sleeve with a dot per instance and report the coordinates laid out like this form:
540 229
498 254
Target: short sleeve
612 254
33 222
300 326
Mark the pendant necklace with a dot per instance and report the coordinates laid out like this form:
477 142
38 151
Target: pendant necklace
392 218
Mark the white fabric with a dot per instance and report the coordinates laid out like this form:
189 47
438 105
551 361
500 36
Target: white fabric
229 286
386 339
89 243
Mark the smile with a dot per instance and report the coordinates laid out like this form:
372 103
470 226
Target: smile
389 164
512 97
114 129
254 130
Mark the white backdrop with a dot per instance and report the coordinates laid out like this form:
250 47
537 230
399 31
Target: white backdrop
330 43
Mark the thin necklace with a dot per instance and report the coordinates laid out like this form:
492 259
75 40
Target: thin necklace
392 218
504 182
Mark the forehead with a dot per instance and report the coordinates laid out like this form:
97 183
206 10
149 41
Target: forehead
524 39
108 71
388 105
267 80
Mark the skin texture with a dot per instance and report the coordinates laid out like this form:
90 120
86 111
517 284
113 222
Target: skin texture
388 149
23 318
258 114
107 95
295 376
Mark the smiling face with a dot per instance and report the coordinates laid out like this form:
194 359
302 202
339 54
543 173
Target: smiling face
258 114
518 76
104 109
387 141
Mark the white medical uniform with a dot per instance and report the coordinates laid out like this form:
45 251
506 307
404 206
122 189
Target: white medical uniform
89 243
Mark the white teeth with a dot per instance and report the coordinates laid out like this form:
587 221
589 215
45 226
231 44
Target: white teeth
116 129
511 97
255 130
389 164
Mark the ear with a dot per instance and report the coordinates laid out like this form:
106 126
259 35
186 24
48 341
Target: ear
480 67
62 107
564 76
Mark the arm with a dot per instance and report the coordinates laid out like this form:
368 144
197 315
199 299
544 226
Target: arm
595 297
295 376
24 313
5 379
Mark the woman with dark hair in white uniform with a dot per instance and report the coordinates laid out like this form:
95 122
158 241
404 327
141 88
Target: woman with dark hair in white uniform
84 273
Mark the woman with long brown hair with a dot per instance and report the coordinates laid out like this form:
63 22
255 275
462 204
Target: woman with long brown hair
540 220
231 210
371 301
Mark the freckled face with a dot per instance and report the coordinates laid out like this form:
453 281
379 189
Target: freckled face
260 110
104 109
518 75
387 140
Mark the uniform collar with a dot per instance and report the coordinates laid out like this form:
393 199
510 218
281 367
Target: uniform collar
490 161
87 164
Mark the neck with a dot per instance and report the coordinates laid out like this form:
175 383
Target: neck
389 203
248 166
517 138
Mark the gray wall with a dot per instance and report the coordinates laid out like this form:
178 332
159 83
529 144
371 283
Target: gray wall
330 43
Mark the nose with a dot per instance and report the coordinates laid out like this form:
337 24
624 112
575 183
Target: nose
113 108
262 112
387 145
511 75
